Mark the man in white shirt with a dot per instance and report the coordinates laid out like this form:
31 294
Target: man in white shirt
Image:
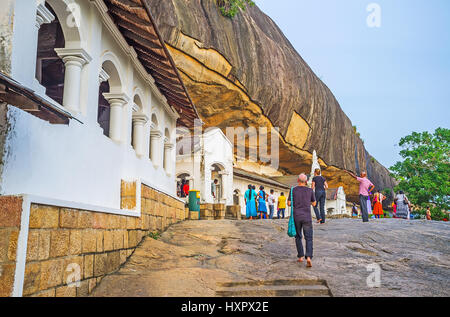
271 203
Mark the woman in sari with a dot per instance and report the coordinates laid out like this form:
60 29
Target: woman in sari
402 205
377 204
262 208
369 204
250 198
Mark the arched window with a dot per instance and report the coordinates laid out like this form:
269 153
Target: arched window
138 121
111 101
137 109
103 115
236 197
58 68
49 66
167 150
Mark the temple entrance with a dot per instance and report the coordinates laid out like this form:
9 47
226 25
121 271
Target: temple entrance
183 185
217 183
236 197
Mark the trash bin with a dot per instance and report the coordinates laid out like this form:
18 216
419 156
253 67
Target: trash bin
194 201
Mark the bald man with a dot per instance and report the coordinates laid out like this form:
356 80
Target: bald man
303 198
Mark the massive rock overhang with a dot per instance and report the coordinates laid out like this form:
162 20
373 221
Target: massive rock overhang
136 24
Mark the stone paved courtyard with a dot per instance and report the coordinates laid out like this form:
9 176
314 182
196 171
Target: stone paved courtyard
202 258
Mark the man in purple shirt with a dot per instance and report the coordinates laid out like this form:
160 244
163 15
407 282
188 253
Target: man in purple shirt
365 186
303 198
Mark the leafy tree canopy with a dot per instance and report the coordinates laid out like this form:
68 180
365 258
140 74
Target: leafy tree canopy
229 8
424 173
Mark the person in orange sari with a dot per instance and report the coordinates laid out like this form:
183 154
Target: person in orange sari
377 204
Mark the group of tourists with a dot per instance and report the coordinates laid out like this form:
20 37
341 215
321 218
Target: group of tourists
302 198
183 188
256 203
401 206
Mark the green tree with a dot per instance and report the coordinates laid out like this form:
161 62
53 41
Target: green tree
229 8
424 173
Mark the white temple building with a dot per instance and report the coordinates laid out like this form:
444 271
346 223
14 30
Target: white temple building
106 101
203 159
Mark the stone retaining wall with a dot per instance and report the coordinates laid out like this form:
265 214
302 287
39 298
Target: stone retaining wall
212 211
67 245
10 218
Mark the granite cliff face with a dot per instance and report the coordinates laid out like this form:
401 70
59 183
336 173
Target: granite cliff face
244 72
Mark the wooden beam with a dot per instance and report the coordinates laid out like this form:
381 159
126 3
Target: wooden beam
148 58
135 28
178 97
163 72
123 14
164 78
142 41
170 87
153 54
19 101
127 4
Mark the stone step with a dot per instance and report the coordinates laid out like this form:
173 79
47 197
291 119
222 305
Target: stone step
275 282
275 291
275 288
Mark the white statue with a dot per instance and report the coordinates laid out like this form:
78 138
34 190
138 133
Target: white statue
315 165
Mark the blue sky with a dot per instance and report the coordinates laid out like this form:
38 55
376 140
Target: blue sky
390 80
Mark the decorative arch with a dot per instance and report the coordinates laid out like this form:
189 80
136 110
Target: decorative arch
155 121
112 66
137 104
138 99
60 53
218 164
183 172
69 14
111 93
167 135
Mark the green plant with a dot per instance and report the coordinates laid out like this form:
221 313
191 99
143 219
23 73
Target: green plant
424 173
154 235
229 8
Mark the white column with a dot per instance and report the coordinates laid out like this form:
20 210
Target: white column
168 157
139 121
74 60
225 190
116 103
155 137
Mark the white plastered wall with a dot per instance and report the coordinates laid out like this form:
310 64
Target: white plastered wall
76 162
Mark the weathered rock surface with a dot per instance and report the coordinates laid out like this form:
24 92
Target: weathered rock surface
244 72
199 258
